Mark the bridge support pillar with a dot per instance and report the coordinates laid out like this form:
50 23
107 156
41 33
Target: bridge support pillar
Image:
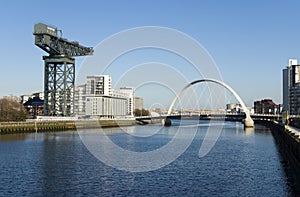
248 122
166 122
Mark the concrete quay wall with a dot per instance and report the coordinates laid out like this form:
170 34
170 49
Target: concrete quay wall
52 126
289 147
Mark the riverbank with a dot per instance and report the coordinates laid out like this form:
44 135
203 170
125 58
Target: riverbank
52 126
288 142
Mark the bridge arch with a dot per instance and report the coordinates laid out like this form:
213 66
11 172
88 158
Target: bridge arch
248 122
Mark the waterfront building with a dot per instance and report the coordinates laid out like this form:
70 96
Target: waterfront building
38 94
98 85
130 96
291 88
33 103
97 98
106 106
138 103
266 106
25 98
34 106
233 108
79 100
285 89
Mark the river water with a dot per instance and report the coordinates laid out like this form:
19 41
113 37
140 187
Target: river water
242 163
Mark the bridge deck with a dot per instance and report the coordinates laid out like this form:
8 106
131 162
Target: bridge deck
227 116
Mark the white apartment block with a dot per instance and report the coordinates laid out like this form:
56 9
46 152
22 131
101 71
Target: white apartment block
79 100
130 92
106 106
96 98
98 85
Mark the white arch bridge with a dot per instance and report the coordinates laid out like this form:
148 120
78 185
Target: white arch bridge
248 122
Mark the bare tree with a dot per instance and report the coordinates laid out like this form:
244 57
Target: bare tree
11 110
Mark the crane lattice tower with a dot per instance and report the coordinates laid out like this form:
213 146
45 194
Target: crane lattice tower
59 79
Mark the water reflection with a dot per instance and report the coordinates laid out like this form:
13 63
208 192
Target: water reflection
249 131
242 163
58 162
14 137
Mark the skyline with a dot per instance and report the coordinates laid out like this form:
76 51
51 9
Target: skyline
250 42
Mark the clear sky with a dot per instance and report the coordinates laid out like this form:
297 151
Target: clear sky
250 41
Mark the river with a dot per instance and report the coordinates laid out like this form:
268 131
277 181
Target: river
241 163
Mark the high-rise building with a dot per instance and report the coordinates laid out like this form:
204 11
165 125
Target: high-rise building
291 88
138 103
285 89
79 100
98 85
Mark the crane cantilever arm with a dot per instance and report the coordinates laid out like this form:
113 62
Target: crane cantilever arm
60 46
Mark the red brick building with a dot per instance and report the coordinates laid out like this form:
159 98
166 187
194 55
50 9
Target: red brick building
266 106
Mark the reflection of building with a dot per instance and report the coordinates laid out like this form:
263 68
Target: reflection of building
291 88
266 106
138 103
233 108
96 98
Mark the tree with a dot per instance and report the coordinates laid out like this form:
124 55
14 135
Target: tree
143 112
11 110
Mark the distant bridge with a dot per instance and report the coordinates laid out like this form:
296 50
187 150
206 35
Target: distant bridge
248 122
209 116
245 117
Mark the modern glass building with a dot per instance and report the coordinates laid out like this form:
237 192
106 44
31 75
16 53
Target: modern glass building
291 88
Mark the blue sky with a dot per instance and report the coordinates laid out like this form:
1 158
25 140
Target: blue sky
250 41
